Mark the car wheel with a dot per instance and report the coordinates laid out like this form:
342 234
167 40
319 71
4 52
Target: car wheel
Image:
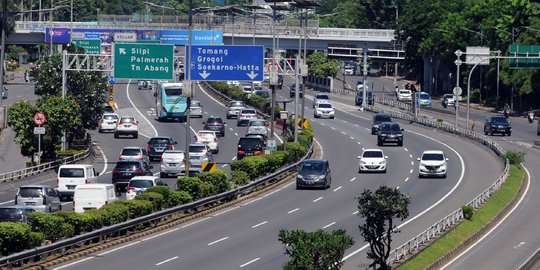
491 133
116 135
485 131
359 170
228 117
298 187
100 130
59 207
400 143
373 132
509 133
332 117
444 176
384 171
379 143
50 210
420 176
136 135
161 175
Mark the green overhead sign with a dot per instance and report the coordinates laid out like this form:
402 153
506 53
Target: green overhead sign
143 61
527 56
90 46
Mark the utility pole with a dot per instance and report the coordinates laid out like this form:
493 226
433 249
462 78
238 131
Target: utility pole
3 45
187 65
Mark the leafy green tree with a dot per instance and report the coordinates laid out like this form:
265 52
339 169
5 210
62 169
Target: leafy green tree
348 14
20 119
319 250
320 65
379 209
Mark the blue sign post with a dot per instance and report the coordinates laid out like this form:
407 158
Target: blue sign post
226 63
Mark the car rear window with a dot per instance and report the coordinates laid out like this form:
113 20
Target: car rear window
256 123
176 91
249 142
27 192
248 112
179 155
141 183
128 165
110 117
71 172
195 104
322 97
236 104
214 120
372 154
127 120
197 148
159 141
206 135
130 152
424 96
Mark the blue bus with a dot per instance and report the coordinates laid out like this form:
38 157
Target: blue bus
170 104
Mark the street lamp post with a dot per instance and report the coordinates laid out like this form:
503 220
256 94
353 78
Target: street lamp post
458 63
513 34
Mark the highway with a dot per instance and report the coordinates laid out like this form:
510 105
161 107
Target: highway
246 236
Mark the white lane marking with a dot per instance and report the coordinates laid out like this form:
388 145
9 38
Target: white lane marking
194 222
354 178
108 172
412 163
250 262
318 199
104 158
160 234
406 179
66 203
363 149
167 260
294 210
118 248
135 107
352 138
224 165
405 149
320 147
436 203
358 142
411 171
338 188
279 138
231 129
323 124
410 155
356 212
257 225
73 263
225 211
7 202
343 133
194 132
498 223
146 136
356 125
219 240
329 225
333 128
234 158
251 201
236 134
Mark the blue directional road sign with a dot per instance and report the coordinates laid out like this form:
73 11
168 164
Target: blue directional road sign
226 63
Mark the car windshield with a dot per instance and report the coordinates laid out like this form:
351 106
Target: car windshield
27 192
71 172
130 152
390 128
424 96
310 167
159 141
237 104
195 104
248 112
404 91
110 117
382 118
499 120
256 124
448 96
128 165
173 91
373 154
432 157
325 105
141 183
197 148
322 97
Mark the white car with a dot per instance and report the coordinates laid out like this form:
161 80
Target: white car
348 71
108 122
372 160
195 109
432 163
233 83
247 89
320 97
172 162
127 125
209 138
138 184
199 153
324 110
404 95
234 108
450 100
245 115
257 126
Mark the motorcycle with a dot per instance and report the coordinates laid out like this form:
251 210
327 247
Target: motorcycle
530 116
506 113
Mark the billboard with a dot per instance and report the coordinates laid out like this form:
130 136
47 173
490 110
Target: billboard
176 37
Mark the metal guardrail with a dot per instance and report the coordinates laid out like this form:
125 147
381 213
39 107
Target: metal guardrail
66 246
18 174
441 226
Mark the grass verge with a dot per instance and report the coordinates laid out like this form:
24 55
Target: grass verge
467 228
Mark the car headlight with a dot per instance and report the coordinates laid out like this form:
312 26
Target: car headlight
501 126
382 162
362 162
376 126
400 135
299 177
384 134
321 177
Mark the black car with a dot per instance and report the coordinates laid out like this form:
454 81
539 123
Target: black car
280 81
108 109
314 173
497 124
360 97
215 124
390 132
293 90
260 136
249 146
158 145
15 213
379 118
125 170
262 93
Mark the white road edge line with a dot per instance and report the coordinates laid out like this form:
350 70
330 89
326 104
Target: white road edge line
167 260
219 240
7 202
329 225
118 248
250 262
320 147
160 234
406 179
356 212
194 222
498 223
225 211
73 263
104 158
294 210
257 225
135 107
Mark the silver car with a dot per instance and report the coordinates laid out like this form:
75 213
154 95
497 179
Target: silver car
172 162
41 198
245 115
199 153
108 122
257 126
195 109
234 108
134 153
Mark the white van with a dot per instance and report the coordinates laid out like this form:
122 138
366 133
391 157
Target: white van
69 176
93 196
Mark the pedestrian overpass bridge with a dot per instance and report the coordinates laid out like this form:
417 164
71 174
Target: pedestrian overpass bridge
338 42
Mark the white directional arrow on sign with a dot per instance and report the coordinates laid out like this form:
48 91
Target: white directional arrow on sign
252 75
205 75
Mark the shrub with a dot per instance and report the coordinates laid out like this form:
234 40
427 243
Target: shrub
240 178
18 236
98 216
514 157
276 160
81 222
218 179
468 212
137 208
114 213
178 198
237 94
163 190
295 150
206 189
155 198
53 227
191 185
253 166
